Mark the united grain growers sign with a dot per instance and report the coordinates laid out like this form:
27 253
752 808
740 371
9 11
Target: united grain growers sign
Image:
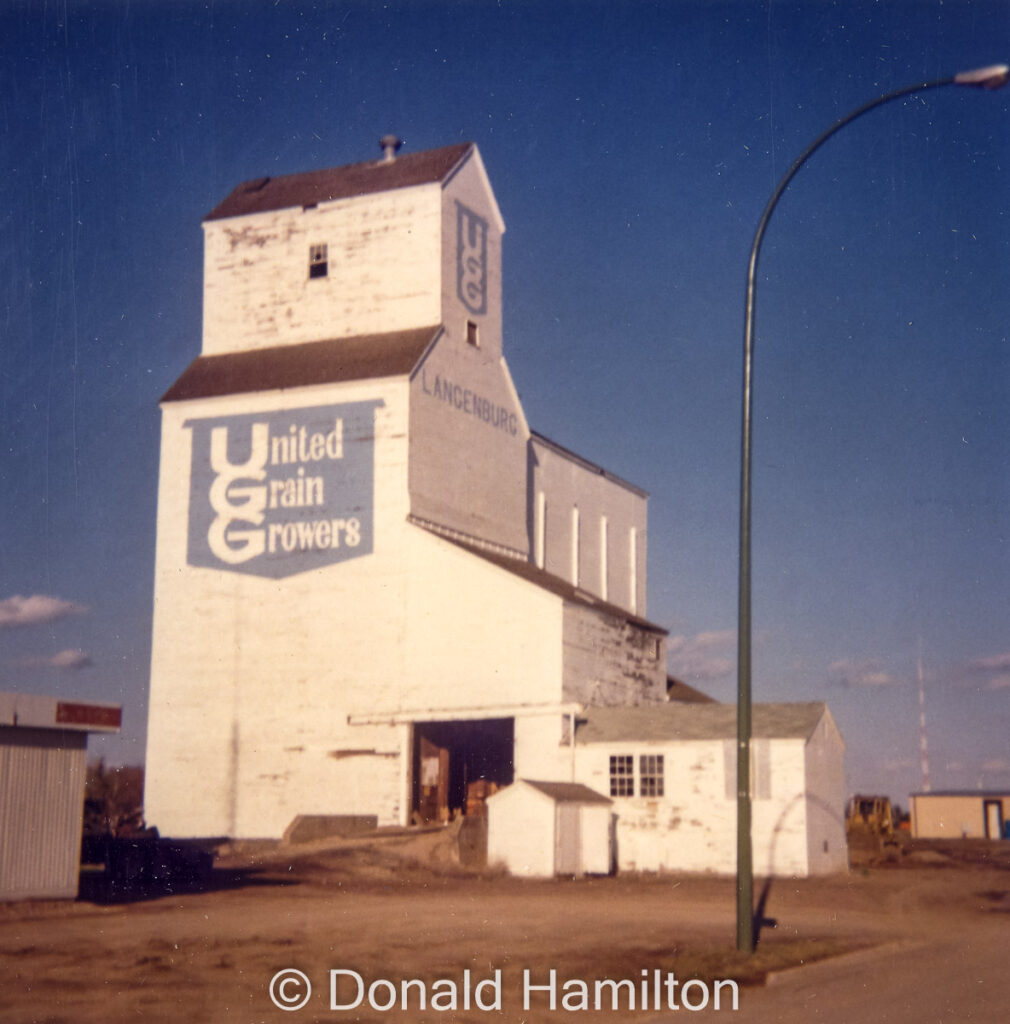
274 494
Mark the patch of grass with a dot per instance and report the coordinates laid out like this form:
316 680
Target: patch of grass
706 962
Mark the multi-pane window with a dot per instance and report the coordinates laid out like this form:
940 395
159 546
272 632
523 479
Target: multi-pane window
622 775
650 775
318 261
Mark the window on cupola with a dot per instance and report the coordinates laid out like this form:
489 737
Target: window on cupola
318 262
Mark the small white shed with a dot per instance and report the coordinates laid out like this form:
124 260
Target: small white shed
43 751
542 829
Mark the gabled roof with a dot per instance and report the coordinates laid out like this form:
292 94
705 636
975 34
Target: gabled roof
314 187
363 357
652 722
568 792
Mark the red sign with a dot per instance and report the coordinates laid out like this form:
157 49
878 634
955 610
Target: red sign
88 714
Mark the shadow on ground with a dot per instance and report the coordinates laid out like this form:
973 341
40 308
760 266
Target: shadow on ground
131 870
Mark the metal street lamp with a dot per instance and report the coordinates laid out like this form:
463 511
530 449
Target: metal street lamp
986 78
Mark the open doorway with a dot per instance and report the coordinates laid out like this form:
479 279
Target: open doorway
993 812
457 765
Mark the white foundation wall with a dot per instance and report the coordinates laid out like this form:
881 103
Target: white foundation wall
692 827
383 272
252 678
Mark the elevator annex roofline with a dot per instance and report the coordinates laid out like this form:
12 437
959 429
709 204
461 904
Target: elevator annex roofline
543 579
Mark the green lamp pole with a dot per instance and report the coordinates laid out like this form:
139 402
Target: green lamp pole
986 78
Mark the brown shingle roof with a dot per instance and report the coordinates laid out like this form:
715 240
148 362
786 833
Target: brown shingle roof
313 187
568 792
364 357
659 722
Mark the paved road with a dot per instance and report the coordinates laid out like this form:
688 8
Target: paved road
963 978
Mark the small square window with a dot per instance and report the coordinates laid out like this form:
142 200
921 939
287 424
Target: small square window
622 775
472 334
318 261
650 775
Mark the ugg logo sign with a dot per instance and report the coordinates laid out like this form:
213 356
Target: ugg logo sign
471 260
279 493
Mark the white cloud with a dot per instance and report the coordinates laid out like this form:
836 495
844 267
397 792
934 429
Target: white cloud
1000 682
707 656
716 638
996 766
993 663
35 610
848 672
70 660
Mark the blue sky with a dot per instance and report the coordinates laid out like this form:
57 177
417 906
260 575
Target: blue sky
632 147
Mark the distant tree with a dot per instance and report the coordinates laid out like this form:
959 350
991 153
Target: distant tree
113 800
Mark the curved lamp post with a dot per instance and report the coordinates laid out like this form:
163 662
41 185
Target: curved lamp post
987 78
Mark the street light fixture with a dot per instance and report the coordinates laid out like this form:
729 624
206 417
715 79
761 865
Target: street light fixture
992 77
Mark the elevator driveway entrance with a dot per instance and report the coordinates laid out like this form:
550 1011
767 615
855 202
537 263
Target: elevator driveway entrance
457 765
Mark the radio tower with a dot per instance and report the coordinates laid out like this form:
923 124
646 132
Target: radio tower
923 752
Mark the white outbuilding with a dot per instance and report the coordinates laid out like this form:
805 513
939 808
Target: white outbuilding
542 829
43 751
671 773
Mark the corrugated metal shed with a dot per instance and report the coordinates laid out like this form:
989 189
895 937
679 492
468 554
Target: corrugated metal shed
696 722
43 754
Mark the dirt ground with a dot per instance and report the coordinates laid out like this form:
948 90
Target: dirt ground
400 909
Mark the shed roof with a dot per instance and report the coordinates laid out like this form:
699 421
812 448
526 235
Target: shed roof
363 357
313 187
532 573
568 792
695 722
984 794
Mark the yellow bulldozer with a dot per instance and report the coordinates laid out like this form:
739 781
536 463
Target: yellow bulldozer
870 827
870 814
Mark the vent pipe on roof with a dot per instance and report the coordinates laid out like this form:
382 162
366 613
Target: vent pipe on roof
390 144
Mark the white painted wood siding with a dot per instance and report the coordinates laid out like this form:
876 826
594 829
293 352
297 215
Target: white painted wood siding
384 264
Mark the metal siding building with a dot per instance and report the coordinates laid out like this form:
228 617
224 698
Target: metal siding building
43 750
960 814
